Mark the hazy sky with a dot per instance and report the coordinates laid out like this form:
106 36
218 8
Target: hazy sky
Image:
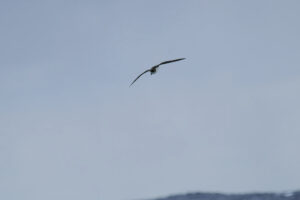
226 119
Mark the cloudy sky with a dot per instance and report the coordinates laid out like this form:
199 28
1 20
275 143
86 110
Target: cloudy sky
226 119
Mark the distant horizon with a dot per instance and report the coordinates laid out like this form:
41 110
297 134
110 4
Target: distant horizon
286 194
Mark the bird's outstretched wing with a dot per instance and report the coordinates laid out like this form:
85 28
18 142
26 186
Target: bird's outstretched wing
169 61
148 70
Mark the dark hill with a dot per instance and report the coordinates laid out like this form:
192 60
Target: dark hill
249 196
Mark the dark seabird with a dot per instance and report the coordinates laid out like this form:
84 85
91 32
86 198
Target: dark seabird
153 69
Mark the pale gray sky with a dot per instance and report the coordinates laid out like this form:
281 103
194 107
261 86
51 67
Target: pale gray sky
225 119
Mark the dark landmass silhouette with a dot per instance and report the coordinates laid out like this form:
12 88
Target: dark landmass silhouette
246 196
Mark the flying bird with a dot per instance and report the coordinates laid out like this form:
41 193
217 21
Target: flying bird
153 69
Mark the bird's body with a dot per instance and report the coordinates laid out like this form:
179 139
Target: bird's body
153 69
